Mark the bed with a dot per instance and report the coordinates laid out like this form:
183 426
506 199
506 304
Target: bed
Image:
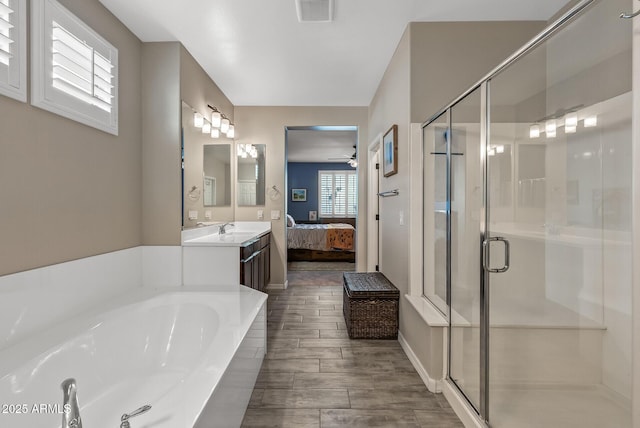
317 242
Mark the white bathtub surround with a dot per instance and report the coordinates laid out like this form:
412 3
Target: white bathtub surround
34 299
161 266
181 352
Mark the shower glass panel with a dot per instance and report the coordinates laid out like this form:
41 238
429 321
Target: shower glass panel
435 138
466 199
559 189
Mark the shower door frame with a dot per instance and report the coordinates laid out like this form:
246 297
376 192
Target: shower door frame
485 237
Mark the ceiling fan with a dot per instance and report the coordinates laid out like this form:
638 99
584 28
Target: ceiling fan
351 160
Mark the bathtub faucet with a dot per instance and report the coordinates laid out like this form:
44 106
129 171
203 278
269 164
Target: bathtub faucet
223 230
71 410
125 418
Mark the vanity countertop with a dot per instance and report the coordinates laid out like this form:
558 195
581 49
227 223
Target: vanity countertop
239 233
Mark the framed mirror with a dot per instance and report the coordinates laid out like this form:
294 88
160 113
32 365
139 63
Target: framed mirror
251 174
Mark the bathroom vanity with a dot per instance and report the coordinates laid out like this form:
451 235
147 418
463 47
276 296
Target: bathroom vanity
241 255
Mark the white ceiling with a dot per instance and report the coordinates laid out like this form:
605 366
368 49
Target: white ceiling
320 145
259 54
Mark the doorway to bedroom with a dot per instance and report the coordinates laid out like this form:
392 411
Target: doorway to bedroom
322 200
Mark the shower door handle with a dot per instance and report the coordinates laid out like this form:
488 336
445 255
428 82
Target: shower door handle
485 255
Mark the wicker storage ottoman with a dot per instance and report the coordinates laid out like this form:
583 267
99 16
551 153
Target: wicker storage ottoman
370 306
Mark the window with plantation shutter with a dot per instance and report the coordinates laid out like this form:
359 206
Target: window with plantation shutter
338 192
75 70
13 57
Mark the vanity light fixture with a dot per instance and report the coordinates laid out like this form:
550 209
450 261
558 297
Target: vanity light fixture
216 117
499 149
590 121
224 125
571 120
534 131
215 133
206 128
491 151
550 128
220 121
198 120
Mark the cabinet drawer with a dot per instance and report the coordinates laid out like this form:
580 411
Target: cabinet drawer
265 240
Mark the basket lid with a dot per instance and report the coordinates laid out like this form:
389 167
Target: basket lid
368 284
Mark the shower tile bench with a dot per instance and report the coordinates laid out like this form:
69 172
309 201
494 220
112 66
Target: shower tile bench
370 306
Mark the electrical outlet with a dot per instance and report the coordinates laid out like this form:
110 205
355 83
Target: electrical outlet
260 214
207 214
401 218
193 215
275 214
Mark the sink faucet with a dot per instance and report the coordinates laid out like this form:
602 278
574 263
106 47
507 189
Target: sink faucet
125 418
71 410
222 229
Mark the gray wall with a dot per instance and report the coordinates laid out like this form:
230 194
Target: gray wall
70 191
448 57
161 219
197 89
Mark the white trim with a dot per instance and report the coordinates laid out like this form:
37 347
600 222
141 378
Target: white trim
635 327
44 94
465 413
273 286
18 64
433 385
373 177
415 211
427 311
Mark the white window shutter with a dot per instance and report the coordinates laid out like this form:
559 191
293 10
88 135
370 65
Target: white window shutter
13 49
75 70
338 193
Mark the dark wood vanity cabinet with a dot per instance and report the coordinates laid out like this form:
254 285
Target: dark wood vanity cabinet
255 262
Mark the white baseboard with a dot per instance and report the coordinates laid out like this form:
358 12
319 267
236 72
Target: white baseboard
273 286
467 416
433 385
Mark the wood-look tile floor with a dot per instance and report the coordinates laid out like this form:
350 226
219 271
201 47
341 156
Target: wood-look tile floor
314 376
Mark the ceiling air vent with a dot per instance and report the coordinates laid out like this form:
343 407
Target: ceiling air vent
314 10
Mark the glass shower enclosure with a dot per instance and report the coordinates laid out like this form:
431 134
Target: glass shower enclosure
527 228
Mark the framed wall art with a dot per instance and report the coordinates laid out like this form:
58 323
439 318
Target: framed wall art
390 152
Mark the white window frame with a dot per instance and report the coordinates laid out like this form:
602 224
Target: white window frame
333 214
13 77
43 93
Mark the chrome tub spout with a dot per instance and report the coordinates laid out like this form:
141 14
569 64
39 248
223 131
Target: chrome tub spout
70 409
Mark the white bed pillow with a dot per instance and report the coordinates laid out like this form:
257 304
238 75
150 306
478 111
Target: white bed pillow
290 221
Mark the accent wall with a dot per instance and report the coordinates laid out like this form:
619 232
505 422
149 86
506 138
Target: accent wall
304 175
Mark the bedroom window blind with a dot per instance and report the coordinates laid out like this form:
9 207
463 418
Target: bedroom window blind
338 192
